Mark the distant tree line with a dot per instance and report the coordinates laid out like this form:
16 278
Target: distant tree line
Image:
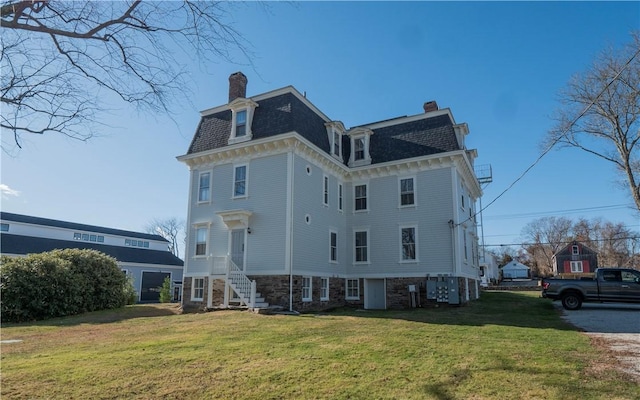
616 244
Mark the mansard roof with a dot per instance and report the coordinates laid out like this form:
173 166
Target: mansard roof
422 137
27 219
286 111
19 244
275 115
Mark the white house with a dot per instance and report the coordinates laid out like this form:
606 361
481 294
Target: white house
489 270
515 270
146 258
288 207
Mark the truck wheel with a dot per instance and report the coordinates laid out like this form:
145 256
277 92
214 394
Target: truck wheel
571 301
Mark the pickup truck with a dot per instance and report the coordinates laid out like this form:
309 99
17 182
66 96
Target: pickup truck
608 284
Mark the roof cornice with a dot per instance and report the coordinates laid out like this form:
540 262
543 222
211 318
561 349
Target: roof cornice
286 142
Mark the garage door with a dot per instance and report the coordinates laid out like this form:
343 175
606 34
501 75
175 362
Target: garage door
151 285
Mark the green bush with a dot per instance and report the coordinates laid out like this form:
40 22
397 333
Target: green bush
165 292
130 292
59 283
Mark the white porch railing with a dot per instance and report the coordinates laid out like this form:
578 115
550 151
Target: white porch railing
240 283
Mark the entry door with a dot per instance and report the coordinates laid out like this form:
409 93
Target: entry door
374 295
237 247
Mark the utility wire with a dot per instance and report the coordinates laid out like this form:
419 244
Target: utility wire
544 213
561 242
555 141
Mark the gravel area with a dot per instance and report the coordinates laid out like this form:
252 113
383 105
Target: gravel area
617 325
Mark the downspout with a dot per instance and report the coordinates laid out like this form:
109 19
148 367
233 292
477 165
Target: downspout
291 182
452 225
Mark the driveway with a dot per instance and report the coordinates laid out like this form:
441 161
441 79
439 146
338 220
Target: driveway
617 324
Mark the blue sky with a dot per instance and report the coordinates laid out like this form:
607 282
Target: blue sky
497 65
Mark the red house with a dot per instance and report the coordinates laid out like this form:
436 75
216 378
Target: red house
575 258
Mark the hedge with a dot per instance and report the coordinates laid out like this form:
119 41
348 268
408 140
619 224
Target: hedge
60 283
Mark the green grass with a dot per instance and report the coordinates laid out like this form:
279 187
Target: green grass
505 346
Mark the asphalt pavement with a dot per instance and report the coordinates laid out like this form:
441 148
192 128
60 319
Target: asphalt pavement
617 323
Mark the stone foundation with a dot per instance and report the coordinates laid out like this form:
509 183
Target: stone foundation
275 290
187 304
398 295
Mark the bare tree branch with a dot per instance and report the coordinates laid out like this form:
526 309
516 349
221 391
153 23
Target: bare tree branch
608 93
170 229
60 58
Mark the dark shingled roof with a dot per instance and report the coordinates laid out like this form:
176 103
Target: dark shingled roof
273 116
18 244
413 139
287 113
5 216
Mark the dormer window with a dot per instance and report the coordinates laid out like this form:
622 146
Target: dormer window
359 149
241 123
335 130
461 130
242 111
360 139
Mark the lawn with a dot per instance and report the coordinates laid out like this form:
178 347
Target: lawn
507 345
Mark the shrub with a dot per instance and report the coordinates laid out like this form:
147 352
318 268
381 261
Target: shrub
165 292
130 292
59 283
102 280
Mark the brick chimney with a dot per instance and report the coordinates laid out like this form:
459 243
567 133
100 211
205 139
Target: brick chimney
430 106
237 86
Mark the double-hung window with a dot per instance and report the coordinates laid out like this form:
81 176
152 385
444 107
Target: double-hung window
333 246
240 181
324 289
359 149
201 241
575 250
339 196
306 288
361 247
325 190
407 196
408 240
353 289
241 123
466 252
197 292
360 197
204 187
336 143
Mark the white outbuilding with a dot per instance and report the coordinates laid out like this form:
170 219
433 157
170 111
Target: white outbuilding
515 270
